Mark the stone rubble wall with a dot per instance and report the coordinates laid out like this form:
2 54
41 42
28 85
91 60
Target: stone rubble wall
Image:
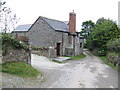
114 59
41 52
17 55
48 52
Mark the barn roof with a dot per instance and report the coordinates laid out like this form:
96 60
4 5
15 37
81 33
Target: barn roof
57 25
23 27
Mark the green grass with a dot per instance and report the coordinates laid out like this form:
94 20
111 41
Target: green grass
57 61
104 59
78 57
20 69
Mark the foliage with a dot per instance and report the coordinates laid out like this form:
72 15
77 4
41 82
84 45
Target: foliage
114 45
100 20
20 69
78 57
8 41
103 31
86 28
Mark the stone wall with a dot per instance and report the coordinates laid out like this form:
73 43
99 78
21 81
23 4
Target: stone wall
41 52
69 52
17 55
47 52
115 59
42 35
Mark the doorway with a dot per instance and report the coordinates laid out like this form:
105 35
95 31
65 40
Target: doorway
58 49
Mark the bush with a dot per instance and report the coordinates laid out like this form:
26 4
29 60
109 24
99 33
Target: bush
101 53
8 41
114 45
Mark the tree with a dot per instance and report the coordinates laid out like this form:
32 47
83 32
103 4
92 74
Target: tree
114 45
101 34
8 19
101 20
86 28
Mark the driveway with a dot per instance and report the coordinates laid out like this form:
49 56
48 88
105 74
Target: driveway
89 72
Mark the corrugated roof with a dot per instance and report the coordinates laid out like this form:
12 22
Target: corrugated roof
23 27
57 25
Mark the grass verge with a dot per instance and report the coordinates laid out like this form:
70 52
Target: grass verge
104 59
20 69
78 57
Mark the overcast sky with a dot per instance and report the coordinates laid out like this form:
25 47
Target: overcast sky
30 10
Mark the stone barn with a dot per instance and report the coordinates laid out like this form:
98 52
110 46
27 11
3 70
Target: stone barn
58 35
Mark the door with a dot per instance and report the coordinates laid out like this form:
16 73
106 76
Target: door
58 49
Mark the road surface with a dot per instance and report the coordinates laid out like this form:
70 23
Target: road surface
89 72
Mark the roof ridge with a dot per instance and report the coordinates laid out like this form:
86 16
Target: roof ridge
56 24
52 19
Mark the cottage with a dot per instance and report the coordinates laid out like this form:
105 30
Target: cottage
45 32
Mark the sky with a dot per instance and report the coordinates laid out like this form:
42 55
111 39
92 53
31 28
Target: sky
29 10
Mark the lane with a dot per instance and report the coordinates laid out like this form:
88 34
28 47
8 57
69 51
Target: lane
89 72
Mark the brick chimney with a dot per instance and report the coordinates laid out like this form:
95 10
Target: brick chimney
72 22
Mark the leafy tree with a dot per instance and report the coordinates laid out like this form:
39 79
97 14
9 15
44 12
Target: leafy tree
8 19
86 28
103 31
101 20
114 45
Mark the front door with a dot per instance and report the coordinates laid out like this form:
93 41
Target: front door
58 49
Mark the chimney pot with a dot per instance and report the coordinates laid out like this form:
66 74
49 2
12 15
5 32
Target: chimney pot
72 22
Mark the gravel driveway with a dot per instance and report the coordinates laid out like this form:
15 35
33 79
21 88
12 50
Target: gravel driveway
89 72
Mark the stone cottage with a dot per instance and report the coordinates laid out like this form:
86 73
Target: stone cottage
58 35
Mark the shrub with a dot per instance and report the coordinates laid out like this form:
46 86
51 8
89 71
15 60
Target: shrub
114 45
101 53
8 41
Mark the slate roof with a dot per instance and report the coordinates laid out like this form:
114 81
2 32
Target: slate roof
23 28
57 25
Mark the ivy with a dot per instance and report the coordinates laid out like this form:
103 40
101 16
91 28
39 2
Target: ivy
9 41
